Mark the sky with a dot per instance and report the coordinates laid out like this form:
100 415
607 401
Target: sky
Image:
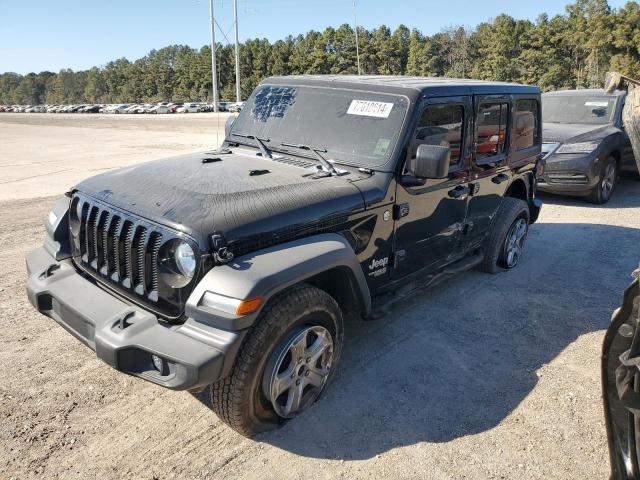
50 35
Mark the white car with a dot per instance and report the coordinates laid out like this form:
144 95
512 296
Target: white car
132 108
120 108
189 108
235 107
160 108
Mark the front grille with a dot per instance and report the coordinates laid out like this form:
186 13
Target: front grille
122 251
568 178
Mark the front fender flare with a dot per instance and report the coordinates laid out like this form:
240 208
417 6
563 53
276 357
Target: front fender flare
266 272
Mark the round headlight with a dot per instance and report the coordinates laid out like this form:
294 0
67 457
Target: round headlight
75 214
185 259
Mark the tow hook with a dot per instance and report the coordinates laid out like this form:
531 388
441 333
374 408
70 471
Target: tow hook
47 272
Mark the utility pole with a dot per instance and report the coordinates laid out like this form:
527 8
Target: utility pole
355 21
214 73
235 21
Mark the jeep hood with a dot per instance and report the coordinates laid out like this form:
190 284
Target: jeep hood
240 195
573 132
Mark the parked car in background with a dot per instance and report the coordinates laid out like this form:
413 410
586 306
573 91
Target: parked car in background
235 107
143 108
189 108
159 108
121 108
585 145
91 109
133 108
175 106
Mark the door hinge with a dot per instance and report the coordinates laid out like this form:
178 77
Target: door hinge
400 210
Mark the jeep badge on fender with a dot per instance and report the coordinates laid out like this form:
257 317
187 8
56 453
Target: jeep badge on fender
235 275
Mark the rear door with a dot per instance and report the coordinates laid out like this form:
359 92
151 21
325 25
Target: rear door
430 217
507 138
489 174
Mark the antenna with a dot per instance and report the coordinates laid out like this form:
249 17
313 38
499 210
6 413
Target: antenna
355 21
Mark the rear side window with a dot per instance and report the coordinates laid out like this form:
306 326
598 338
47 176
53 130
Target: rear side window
491 131
439 125
526 132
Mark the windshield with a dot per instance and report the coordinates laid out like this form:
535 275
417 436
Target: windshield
593 110
353 127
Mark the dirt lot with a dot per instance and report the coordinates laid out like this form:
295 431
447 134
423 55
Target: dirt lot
481 377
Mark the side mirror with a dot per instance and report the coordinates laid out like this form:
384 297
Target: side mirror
229 124
432 161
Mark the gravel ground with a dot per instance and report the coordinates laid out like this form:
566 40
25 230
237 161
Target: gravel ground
480 377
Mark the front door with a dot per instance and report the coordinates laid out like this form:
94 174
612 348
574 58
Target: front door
430 217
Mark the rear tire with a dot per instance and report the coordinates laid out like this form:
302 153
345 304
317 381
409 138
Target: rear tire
504 245
242 400
602 192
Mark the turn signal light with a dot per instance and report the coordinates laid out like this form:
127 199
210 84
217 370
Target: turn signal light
245 307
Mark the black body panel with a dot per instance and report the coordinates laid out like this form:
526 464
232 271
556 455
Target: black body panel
200 198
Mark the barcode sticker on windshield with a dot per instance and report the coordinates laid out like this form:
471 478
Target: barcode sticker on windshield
596 104
367 108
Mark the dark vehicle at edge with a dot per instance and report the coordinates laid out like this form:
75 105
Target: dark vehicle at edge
584 143
235 268
620 367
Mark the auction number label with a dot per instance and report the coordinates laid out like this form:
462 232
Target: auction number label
368 108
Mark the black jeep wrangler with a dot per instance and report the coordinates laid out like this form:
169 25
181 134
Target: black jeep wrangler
235 268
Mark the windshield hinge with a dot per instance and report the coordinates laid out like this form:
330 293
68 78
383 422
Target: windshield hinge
221 253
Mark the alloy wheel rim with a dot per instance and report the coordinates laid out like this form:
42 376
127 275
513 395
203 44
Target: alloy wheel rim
608 180
298 371
514 242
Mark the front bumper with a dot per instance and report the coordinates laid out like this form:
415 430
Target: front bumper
571 174
125 336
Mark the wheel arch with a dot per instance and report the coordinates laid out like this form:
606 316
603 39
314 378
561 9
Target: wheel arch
326 261
617 156
523 188
518 189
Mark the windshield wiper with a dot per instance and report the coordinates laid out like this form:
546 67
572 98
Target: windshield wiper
316 150
266 152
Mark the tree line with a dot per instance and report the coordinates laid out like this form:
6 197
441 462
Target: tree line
572 50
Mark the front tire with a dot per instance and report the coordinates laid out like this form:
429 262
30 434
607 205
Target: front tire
504 245
284 364
602 192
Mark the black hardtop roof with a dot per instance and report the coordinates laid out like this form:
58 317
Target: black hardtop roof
585 92
405 85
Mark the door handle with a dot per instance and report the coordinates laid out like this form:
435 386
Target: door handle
459 192
498 179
